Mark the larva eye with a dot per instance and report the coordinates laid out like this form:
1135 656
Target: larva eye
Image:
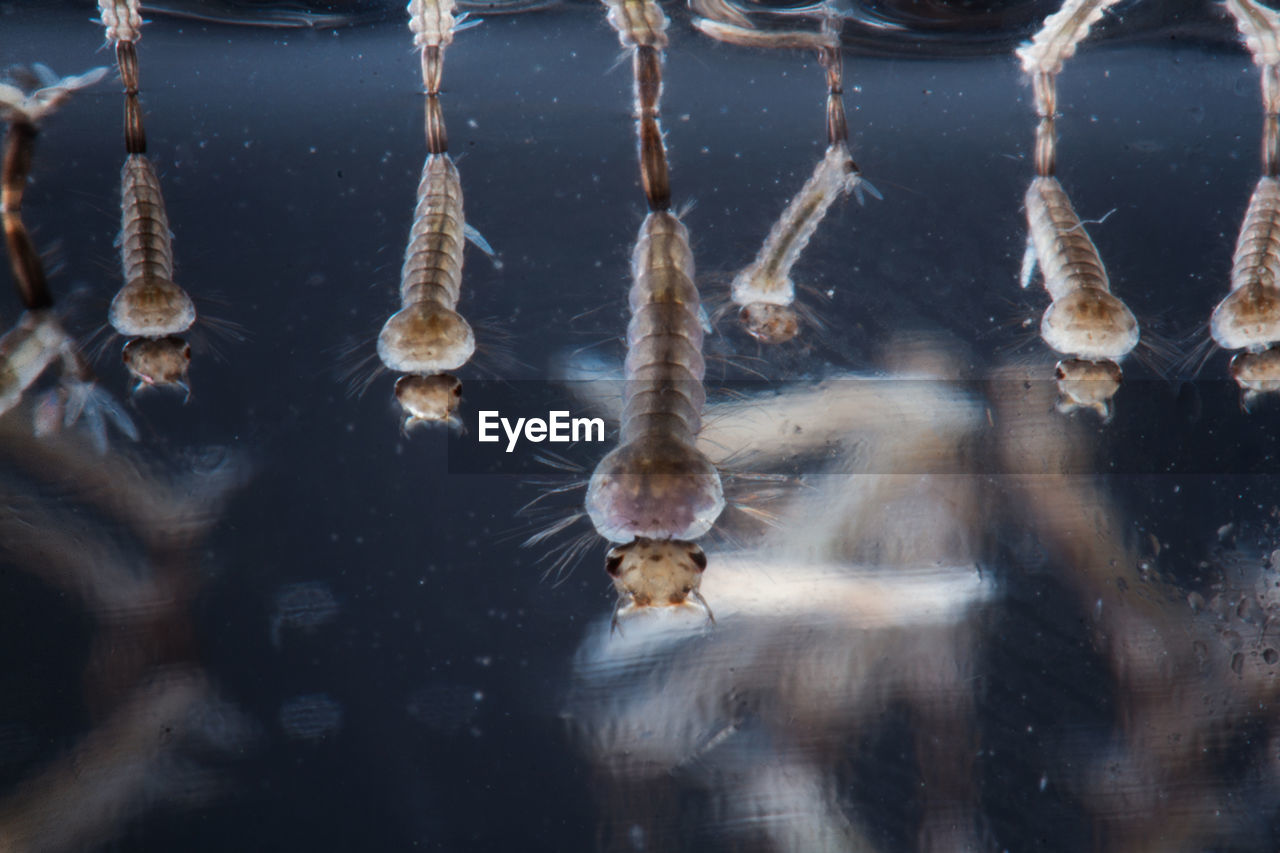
699 558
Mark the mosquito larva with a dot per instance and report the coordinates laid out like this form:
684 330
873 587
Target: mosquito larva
149 305
427 335
1249 317
764 289
1085 320
39 340
656 491
149 308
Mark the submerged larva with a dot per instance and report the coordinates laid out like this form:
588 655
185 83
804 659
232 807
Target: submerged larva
1249 317
150 304
764 289
656 490
39 339
427 335
1085 320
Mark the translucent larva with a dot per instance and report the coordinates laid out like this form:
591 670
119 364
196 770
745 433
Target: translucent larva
656 490
1085 320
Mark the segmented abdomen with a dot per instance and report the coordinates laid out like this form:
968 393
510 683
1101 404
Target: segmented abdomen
146 244
640 23
1068 259
664 365
1257 257
432 268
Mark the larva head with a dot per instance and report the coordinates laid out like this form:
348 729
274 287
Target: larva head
426 338
1249 318
1086 384
158 362
1256 373
428 399
151 308
1090 324
769 323
656 490
655 573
